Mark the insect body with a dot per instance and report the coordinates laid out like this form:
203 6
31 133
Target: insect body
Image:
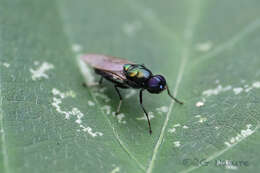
125 74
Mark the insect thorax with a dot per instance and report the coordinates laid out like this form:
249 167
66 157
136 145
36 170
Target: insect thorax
137 74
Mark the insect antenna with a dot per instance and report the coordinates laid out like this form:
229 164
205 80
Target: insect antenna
175 99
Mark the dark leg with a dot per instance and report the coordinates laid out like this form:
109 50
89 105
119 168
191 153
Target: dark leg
141 103
121 99
84 84
100 80
172 96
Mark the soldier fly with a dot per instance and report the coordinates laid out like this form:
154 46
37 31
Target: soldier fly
125 74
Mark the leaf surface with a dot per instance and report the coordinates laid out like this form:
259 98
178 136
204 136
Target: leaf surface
207 50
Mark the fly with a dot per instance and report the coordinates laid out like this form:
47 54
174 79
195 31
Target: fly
125 74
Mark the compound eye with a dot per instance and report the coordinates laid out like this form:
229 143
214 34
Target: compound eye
156 84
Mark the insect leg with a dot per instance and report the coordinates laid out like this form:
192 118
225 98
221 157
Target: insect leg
172 96
100 80
121 99
141 103
84 85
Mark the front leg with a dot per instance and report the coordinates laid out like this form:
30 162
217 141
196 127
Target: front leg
141 103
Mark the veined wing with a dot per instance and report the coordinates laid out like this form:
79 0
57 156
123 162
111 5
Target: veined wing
105 63
117 77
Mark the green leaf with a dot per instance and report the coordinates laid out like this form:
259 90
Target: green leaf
207 50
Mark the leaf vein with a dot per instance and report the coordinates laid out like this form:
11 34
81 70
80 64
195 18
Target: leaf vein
217 154
188 34
231 42
150 16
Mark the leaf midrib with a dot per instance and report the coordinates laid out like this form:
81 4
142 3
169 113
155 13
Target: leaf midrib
188 38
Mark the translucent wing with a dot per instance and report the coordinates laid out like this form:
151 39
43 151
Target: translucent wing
107 64
103 62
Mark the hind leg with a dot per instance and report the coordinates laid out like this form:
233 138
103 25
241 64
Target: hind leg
120 97
145 112
117 86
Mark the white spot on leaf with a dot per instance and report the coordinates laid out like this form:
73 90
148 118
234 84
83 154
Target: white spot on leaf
176 125
89 131
204 47
199 104
120 118
216 91
163 109
131 93
256 85
115 170
63 95
197 116
90 103
106 109
102 96
227 144
57 101
40 72
150 115
237 90
201 119
177 144
242 81
172 130
130 29
243 134
76 48
6 64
